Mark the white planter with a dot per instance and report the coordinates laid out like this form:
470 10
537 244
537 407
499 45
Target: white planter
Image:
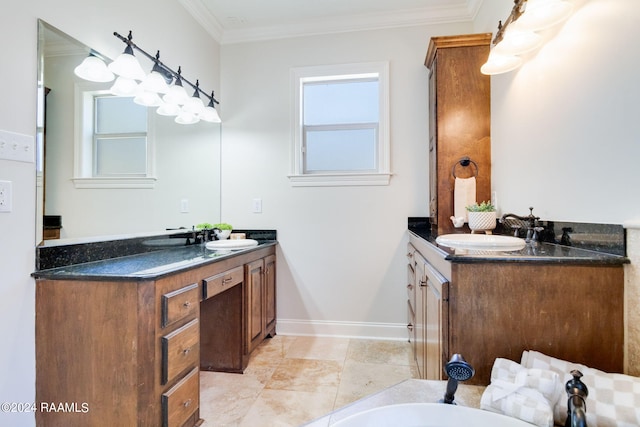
482 221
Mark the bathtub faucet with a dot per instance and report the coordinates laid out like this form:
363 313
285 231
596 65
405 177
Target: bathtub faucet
576 406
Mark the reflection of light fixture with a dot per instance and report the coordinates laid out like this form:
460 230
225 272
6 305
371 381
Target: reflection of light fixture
94 69
517 35
175 101
124 87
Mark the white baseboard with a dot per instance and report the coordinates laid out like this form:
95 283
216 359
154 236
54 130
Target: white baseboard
323 328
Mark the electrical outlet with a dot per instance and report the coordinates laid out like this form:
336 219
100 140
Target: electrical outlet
184 206
17 147
6 196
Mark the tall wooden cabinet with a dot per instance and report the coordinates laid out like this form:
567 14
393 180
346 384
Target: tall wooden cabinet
459 121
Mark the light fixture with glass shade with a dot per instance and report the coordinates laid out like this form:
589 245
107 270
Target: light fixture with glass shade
518 36
210 114
94 69
155 89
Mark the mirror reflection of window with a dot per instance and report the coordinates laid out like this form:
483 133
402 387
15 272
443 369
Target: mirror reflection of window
119 137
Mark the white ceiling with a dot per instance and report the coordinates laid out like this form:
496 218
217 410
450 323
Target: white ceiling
235 21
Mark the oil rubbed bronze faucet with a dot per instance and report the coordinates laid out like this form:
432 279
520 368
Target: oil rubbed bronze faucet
531 222
577 392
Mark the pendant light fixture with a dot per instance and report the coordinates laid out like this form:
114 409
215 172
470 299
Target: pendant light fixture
162 87
518 35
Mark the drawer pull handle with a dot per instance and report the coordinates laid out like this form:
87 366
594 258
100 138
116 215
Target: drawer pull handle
423 283
186 351
227 280
187 403
187 303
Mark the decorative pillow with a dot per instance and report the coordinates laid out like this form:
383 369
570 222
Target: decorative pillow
613 401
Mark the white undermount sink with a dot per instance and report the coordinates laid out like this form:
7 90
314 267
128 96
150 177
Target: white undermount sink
428 415
483 242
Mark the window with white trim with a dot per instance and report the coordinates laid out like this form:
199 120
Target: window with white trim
340 125
113 148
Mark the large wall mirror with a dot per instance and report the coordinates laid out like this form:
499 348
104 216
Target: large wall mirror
184 160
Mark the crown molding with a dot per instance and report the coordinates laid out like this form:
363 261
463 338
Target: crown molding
205 18
340 24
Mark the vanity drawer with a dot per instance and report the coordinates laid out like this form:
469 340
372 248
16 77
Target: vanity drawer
180 304
180 350
181 401
221 282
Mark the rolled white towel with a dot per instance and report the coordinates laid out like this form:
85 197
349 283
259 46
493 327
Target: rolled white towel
510 374
527 394
519 404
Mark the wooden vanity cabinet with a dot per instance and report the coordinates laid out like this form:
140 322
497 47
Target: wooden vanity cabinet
128 353
486 310
459 121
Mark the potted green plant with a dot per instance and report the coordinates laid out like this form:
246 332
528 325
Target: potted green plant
482 217
222 230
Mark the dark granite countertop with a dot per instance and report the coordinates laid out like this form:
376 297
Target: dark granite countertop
145 266
539 252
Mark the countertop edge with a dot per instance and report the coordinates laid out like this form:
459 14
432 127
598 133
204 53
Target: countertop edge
51 275
598 258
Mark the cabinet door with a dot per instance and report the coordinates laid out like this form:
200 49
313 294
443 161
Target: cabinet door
420 319
270 294
255 306
435 322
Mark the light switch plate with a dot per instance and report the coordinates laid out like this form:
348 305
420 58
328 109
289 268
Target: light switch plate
6 196
257 205
17 147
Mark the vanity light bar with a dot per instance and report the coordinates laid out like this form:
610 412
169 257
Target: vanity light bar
176 101
162 68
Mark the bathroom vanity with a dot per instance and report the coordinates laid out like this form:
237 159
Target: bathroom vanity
122 340
562 301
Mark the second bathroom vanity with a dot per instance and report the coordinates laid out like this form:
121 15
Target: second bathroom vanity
562 301
122 340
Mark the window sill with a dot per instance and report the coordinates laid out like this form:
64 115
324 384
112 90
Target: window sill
122 183
338 180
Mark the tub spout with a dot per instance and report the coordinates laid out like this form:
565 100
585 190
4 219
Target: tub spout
576 406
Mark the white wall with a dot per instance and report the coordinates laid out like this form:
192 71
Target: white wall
342 264
168 27
565 125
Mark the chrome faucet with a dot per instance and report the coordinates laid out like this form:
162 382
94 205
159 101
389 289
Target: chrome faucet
576 406
531 221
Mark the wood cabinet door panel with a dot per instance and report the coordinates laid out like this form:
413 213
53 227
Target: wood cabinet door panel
255 310
270 294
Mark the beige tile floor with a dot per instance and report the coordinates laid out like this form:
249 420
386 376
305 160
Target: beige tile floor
291 380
